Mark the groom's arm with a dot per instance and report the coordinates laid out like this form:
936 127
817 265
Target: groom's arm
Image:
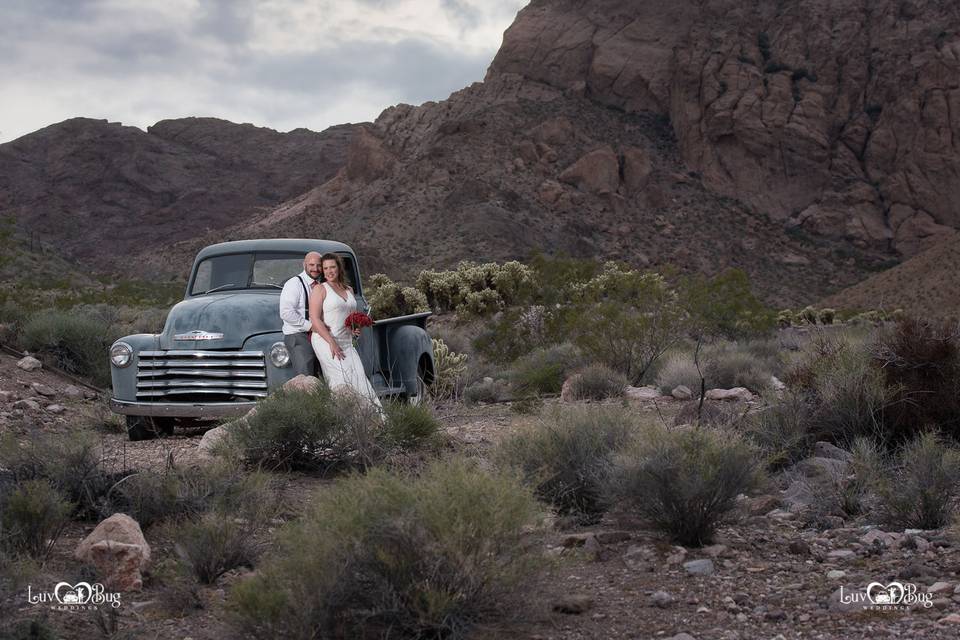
291 310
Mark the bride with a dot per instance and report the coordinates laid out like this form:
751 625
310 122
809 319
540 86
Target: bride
330 304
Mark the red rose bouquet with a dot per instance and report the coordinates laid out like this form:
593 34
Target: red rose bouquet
357 320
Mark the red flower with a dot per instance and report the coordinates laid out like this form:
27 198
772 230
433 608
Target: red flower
358 320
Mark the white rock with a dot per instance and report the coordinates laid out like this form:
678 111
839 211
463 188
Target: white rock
737 393
682 392
702 567
26 404
43 389
940 587
55 408
302 383
641 393
211 439
29 363
836 574
72 392
119 552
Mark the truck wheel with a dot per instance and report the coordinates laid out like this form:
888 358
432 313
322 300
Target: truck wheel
420 396
141 428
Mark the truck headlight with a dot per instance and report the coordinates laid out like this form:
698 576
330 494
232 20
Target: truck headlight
121 354
279 355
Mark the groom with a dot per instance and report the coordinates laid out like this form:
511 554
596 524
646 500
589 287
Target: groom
294 311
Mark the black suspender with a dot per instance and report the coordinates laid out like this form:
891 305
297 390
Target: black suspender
306 299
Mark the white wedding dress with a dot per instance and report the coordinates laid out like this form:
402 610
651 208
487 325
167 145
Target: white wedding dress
349 371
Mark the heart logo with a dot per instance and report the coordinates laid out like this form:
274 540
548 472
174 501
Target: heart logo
885 594
80 593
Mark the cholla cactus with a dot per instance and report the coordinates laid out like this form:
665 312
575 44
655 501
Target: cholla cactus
809 315
387 299
449 366
785 318
511 280
826 316
481 303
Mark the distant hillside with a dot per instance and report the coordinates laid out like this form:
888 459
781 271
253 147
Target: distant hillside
927 285
100 192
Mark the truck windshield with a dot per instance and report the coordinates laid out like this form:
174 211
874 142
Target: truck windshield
251 271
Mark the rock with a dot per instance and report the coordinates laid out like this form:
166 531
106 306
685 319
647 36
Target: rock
637 168
761 505
302 383
836 574
781 515
776 615
717 551
953 618
6 396
42 389
702 567
681 636
681 393
826 450
29 363
641 393
487 380
26 404
72 391
211 439
613 537
735 394
566 391
821 468
662 600
573 604
55 408
940 587
118 551
842 600
841 554
595 172
878 537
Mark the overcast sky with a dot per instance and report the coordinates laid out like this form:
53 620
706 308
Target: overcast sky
276 63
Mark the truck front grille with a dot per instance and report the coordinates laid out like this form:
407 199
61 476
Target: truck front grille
201 376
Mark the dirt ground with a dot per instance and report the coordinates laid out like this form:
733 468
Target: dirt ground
772 578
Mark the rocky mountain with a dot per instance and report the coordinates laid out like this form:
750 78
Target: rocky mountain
101 192
838 116
809 143
925 285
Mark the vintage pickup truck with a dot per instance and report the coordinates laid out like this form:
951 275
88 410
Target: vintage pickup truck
222 349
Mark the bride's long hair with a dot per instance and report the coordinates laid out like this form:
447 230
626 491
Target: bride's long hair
340 267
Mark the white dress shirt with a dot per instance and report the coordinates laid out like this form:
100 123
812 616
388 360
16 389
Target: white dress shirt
293 304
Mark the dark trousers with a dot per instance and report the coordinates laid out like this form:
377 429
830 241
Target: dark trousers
302 358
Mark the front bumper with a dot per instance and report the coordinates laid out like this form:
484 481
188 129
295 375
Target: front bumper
181 409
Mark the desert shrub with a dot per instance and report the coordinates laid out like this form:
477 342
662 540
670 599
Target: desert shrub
676 369
723 306
409 425
387 299
513 333
176 493
12 318
917 487
449 368
441 288
74 465
544 370
826 316
480 303
597 382
488 390
686 482
783 431
77 342
567 455
728 364
477 289
527 406
626 319
32 517
387 553
920 362
313 430
215 543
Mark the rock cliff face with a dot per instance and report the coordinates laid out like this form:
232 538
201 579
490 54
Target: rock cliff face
102 192
838 116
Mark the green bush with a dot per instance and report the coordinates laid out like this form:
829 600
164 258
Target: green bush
410 426
390 554
686 482
676 369
544 370
723 306
597 382
32 517
78 343
486 391
215 543
728 364
477 289
567 455
514 333
449 368
918 488
387 299
74 465
312 430
783 431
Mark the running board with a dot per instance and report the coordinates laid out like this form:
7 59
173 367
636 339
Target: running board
390 391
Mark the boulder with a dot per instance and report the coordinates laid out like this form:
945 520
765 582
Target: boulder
302 383
72 391
118 551
682 392
636 169
566 391
641 393
211 439
29 363
43 390
735 394
595 172
826 450
26 403
55 409
702 567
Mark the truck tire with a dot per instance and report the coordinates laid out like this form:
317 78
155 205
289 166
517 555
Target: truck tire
145 428
420 396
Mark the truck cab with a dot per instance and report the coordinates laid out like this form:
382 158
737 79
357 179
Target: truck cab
221 349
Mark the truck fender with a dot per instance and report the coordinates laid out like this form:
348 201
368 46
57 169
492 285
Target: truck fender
409 350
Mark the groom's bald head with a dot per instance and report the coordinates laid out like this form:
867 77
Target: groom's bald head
312 264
